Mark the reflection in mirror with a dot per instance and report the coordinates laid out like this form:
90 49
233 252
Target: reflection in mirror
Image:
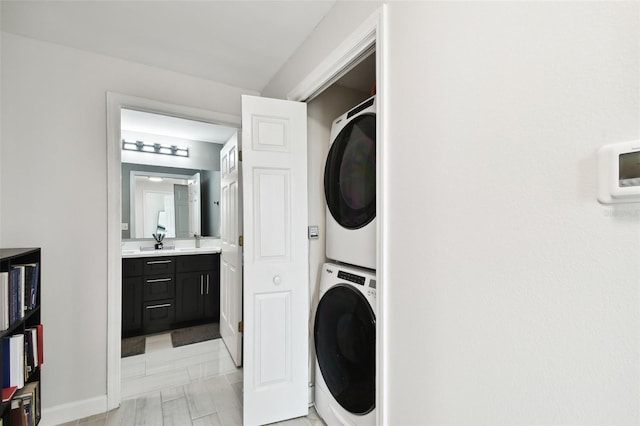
161 228
172 198
185 199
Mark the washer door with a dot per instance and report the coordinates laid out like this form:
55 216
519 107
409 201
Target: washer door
350 173
345 338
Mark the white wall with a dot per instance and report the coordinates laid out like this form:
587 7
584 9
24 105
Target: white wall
342 21
54 186
512 295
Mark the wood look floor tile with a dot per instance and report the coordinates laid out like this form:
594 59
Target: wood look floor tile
210 420
199 399
156 382
133 366
124 415
172 393
231 416
213 368
176 413
149 410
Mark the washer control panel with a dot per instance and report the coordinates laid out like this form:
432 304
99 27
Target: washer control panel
357 279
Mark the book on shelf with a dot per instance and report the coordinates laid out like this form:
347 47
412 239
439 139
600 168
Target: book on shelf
15 311
33 351
4 300
30 395
29 283
17 416
21 289
13 357
40 336
7 393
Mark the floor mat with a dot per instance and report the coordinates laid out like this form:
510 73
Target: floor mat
195 334
132 346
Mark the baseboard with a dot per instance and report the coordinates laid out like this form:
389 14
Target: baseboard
73 411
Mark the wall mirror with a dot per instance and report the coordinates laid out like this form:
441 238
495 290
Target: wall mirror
170 175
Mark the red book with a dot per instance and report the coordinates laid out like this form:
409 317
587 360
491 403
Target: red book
7 393
40 344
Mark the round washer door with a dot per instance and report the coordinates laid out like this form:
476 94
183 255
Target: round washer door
350 173
345 338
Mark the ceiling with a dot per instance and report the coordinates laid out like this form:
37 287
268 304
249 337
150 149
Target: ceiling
156 124
239 43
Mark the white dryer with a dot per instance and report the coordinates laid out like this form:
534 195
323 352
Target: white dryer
345 343
350 187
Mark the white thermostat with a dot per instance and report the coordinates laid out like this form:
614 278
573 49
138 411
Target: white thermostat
619 173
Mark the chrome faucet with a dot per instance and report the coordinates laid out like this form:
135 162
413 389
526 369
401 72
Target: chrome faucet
198 238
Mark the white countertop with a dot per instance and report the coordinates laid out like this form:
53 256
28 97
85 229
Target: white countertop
170 252
173 247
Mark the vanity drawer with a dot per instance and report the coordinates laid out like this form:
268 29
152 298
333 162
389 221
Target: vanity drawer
159 265
159 287
198 262
158 316
131 267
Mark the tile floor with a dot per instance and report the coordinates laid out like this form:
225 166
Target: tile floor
194 385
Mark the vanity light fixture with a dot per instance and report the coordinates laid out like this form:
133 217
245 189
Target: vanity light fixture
155 178
155 148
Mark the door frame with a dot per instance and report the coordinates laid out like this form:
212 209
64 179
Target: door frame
116 102
372 33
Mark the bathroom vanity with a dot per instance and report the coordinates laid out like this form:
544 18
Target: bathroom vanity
167 289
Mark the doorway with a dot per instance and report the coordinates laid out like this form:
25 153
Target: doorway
116 104
171 187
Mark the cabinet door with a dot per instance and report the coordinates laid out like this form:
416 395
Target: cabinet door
131 267
131 306
212 296
198 262
189 296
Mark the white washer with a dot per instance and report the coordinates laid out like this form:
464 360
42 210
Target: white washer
345 343
350 187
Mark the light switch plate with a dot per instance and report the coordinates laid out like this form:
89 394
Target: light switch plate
125 226
313 232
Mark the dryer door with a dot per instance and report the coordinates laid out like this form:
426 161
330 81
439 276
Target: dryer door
350 173
345 338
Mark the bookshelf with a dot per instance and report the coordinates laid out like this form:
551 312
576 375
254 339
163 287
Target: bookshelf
21 335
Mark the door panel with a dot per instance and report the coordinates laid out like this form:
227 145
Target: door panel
276 287
231 257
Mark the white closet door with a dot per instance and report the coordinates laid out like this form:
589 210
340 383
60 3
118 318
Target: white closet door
276 302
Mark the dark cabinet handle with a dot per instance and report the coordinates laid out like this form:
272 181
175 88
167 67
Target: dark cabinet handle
207 283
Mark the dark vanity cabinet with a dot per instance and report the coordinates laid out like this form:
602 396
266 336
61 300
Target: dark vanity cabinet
158 293
131 297
148 290
165 292
198 288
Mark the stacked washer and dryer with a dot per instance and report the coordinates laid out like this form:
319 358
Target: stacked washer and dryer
345 321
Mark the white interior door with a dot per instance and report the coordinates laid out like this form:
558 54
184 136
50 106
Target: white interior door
276 303
231 258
